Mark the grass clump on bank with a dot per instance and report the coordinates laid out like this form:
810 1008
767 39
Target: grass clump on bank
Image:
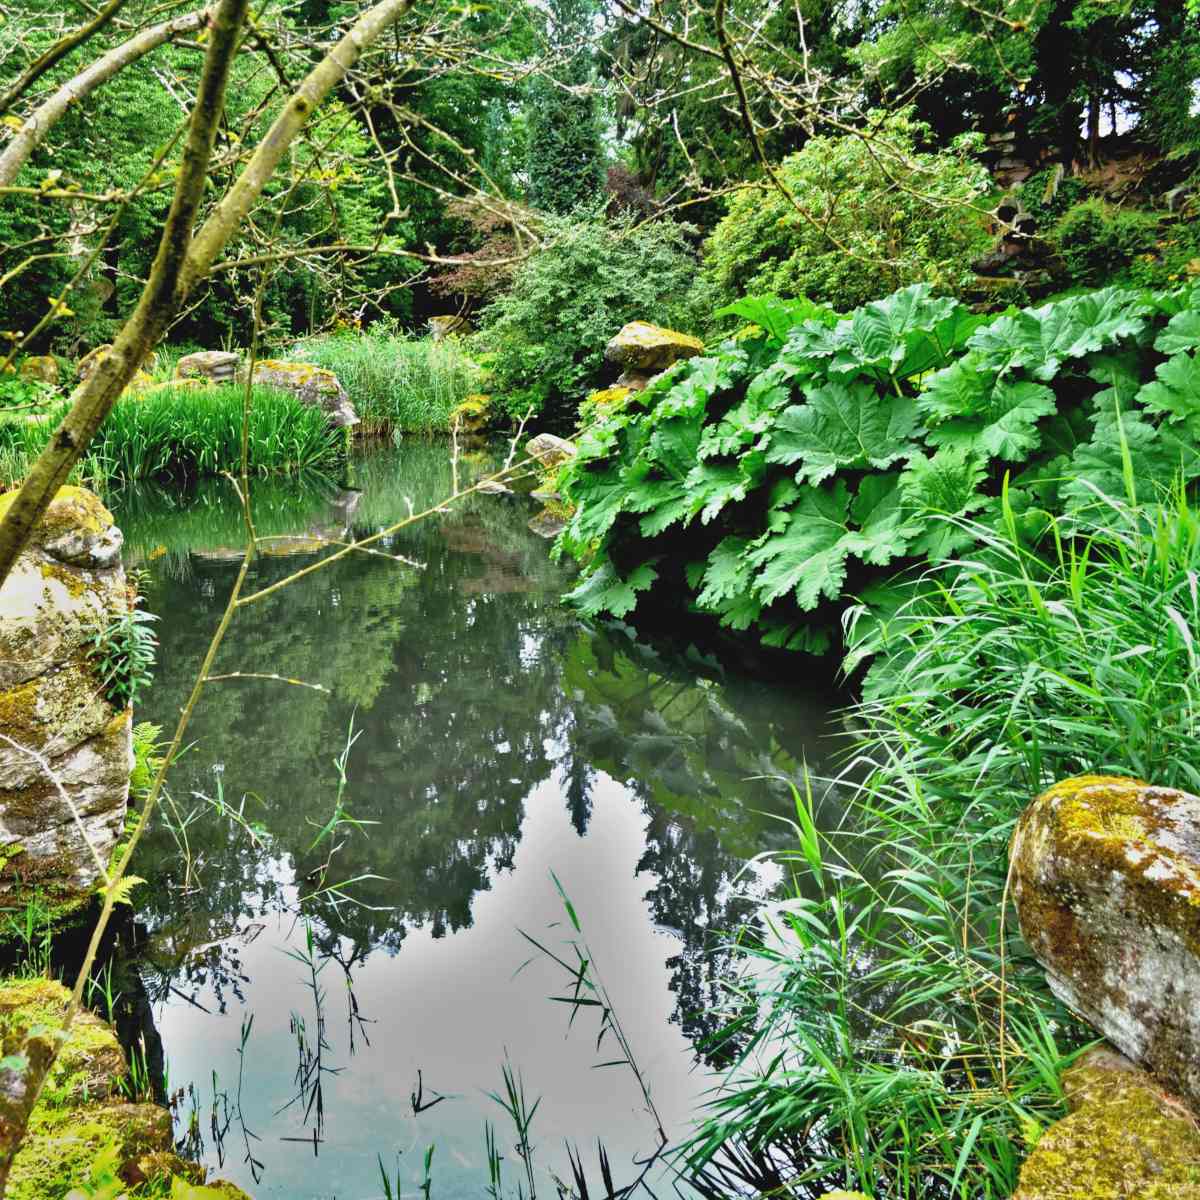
896 1035
186 431
396 384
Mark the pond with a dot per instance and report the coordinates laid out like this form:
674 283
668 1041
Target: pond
326 997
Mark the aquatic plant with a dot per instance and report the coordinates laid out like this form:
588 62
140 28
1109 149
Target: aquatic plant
898 1036
397 384
810 461
179 431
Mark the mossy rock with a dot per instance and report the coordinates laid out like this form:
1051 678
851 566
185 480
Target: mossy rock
1125 1138
641 346
1106 881
473 415
81 1126
90 1066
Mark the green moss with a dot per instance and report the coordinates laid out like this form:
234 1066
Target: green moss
90 1065
1123 1140
64 1145
72 508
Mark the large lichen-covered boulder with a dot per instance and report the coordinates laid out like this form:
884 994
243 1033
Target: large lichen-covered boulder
219 366
312 385
66 750
642 347
1106 880
1124 1138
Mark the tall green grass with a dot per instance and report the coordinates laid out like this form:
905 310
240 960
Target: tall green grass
895 1035
397 384
190 431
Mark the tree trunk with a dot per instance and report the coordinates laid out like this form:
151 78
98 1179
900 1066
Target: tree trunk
181 262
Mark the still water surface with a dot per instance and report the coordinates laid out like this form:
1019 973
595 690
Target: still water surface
493 739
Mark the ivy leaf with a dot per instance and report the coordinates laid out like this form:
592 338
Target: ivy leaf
936 491
809 555
1176 390
605 591
842 425
1182 333
1006 428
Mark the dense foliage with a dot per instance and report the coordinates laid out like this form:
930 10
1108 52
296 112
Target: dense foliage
767 480
900 1037
867 215
565 160
547 335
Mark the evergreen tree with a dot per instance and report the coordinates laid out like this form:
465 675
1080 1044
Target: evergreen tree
565 158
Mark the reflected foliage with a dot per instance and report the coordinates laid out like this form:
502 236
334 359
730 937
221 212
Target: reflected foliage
469 685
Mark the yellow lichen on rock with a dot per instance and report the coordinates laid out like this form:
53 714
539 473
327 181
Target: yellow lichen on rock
641 346
473 414
71 507
602 404
1124 1138
1106 882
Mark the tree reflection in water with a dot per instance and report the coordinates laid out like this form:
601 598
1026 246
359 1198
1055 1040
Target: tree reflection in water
473 691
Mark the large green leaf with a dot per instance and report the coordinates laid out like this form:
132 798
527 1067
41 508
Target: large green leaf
775 317
1182 333
843 425
727 582
1042 339
939 491
605 591
877 335
884 524
1005 427
1176 391
809 555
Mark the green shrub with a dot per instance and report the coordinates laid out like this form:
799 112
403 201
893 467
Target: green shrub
396 384
547 335
1096 240
196 431
870 231
767 480
901 1038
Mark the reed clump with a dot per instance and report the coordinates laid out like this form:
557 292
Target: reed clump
397 384
893 1033
167 431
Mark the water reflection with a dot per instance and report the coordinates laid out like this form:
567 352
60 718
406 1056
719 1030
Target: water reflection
492 739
